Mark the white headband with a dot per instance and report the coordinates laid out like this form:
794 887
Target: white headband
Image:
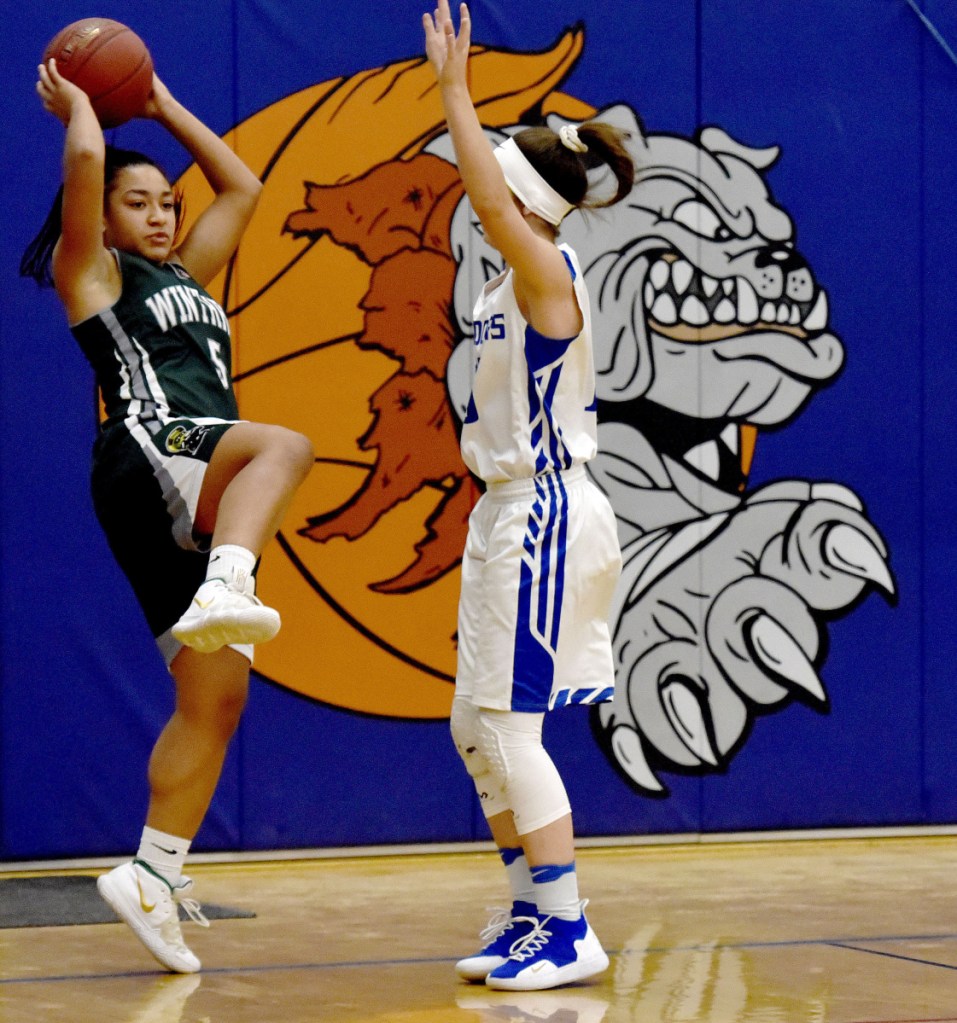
529 186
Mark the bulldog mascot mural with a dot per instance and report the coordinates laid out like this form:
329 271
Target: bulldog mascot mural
709 327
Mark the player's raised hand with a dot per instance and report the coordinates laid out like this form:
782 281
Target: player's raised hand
447 50
57 94
157 101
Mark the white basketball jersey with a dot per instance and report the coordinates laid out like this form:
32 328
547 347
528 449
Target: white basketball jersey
532 408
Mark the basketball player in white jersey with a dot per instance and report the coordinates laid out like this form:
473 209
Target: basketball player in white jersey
542 556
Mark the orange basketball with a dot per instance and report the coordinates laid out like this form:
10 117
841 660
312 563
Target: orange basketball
109 62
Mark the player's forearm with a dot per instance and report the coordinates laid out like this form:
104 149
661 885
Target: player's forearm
221 167
480 172
84 157
84 148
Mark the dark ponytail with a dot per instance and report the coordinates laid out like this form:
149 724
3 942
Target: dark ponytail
36 261
566 170
38 255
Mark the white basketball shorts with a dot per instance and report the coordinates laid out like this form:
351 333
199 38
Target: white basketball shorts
538 574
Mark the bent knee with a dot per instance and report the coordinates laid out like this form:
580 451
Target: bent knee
302 452
294 450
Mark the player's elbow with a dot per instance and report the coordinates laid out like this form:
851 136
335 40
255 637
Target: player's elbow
494 216
252 189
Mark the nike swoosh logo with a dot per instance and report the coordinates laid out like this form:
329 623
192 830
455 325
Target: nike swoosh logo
201 604
169 852
143 904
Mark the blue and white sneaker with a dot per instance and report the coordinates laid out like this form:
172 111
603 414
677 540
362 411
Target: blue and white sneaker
555 952
505 929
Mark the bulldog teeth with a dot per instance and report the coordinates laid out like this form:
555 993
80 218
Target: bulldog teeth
816 319
747 302
675 293
681 275
660 275
694 311
705 458
730 437
664 310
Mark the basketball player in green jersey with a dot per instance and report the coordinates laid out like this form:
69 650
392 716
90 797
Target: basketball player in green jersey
187 494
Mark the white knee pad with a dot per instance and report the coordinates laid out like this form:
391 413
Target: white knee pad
463 723
510 743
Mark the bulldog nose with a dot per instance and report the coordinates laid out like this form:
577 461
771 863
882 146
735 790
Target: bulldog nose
787 260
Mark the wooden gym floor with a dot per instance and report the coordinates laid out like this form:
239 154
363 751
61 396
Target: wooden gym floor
836 931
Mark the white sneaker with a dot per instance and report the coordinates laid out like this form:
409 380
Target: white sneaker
221 615
148 903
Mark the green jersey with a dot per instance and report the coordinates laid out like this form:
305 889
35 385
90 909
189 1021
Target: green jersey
161 352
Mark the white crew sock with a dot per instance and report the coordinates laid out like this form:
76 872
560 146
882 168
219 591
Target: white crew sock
164 853
231 564
556 891
519 875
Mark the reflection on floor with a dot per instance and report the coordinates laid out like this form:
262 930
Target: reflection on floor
849 931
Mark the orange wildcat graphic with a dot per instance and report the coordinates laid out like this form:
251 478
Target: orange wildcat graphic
339 299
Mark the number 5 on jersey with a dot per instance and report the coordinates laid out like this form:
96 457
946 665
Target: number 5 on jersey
216 355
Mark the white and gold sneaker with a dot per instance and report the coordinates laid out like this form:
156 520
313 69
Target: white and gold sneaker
149 904
223 615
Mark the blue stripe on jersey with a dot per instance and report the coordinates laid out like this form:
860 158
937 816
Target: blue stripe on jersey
540 595
569 263
544 359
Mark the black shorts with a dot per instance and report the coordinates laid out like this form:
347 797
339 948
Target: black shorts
145 486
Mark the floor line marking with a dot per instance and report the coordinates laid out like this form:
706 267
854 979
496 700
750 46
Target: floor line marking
845 943
892 955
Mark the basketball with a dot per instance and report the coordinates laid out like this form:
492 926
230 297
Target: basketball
109 62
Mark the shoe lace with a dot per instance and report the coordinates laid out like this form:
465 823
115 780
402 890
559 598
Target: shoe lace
533 942
193 909
498 924
248 589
